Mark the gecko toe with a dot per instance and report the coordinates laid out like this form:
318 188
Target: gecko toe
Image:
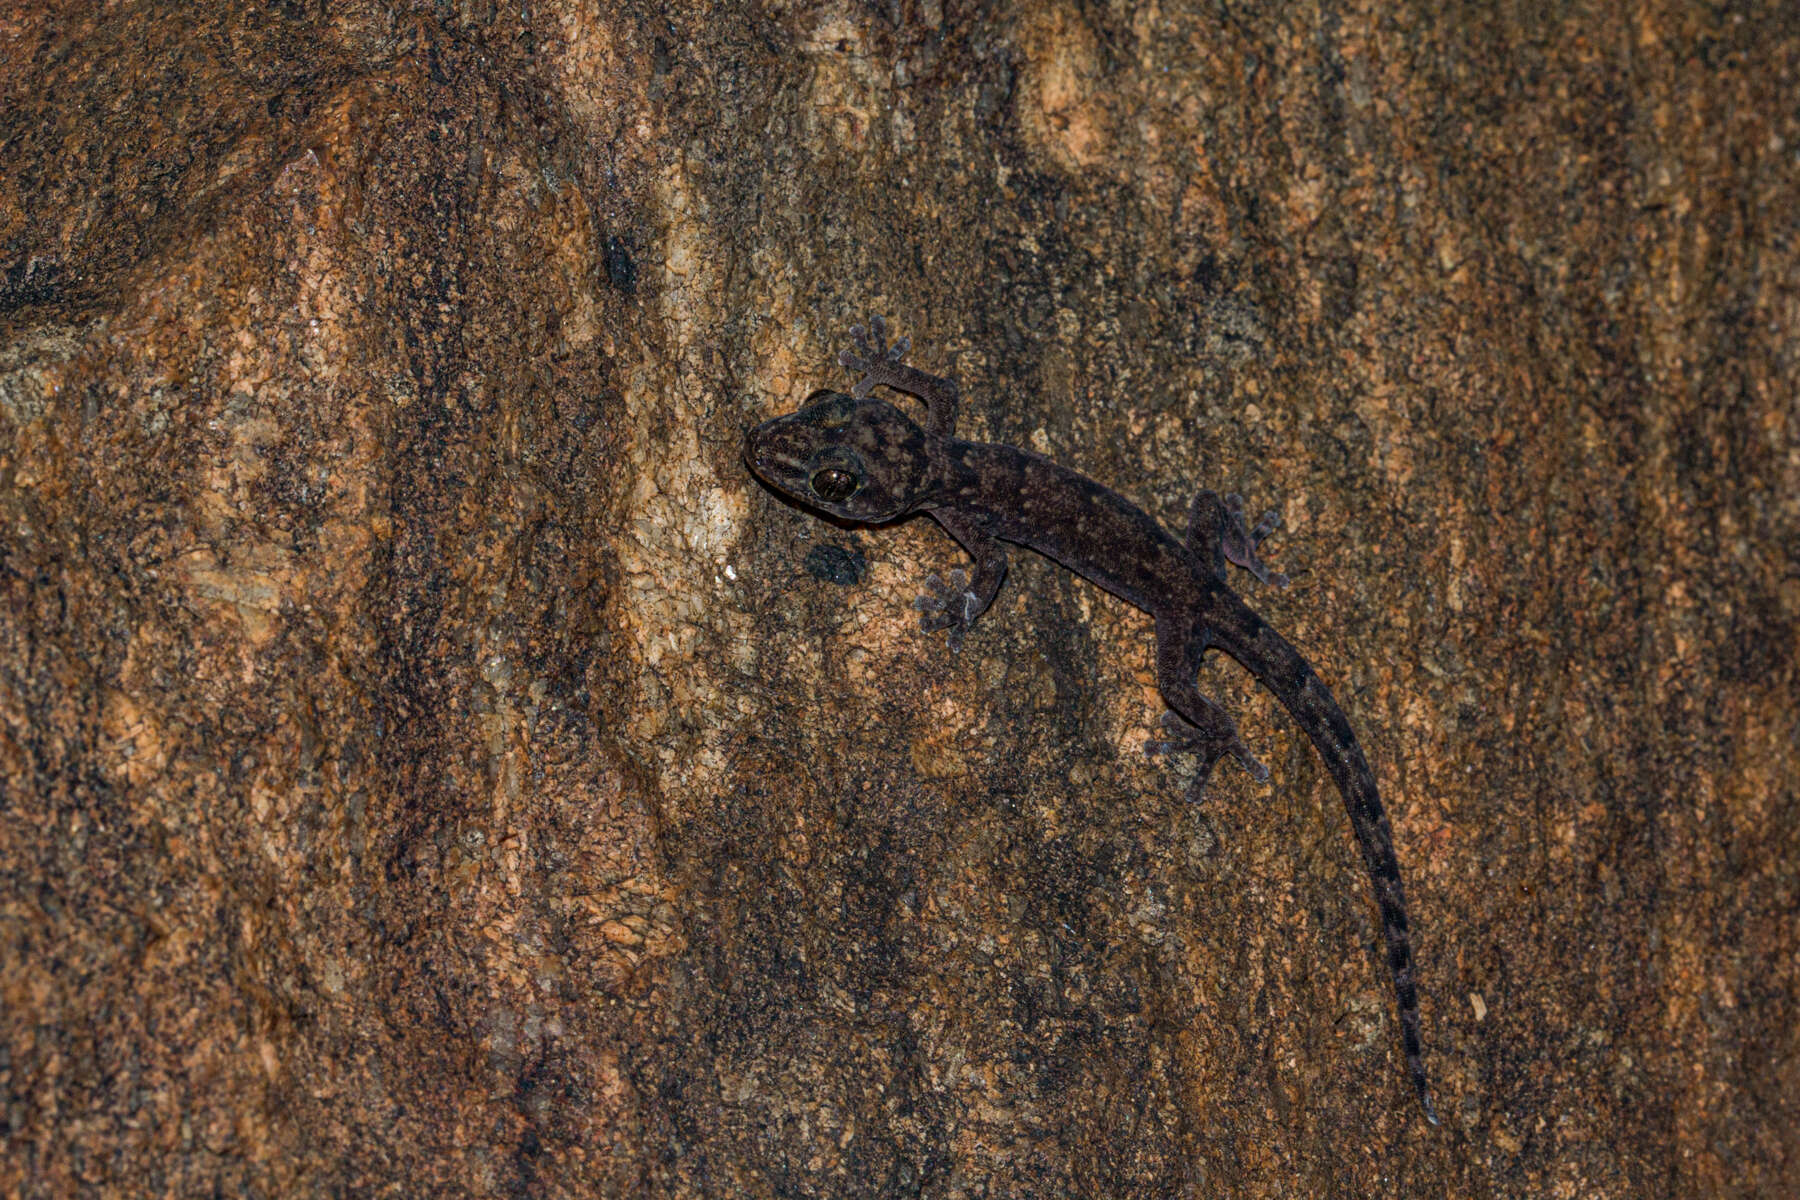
947 603
1207 745
1248 761
871 354
931 599
1239 542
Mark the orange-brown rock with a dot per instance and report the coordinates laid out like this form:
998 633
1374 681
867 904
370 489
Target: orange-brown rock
430 764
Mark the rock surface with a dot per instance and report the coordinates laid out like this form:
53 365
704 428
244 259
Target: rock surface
430 765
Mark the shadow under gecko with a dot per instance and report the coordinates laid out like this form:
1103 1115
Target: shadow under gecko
865 461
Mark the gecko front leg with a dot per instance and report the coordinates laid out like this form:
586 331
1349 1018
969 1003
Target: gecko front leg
954 603
883 364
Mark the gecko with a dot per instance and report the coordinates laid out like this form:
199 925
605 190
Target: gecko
863 460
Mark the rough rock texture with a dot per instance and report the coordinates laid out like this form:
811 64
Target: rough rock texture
429 765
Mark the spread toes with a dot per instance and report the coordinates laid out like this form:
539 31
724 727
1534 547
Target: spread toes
1209 746
947 604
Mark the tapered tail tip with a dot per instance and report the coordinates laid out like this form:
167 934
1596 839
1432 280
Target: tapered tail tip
1430 1108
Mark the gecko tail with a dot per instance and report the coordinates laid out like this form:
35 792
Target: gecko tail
1231 626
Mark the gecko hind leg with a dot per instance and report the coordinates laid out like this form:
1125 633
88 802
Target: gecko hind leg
1218 533
1195 725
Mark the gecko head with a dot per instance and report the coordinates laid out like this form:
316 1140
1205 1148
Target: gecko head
862 460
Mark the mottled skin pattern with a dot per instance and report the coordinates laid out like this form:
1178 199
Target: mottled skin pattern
864 460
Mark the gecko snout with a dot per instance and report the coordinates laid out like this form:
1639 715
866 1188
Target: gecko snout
761 453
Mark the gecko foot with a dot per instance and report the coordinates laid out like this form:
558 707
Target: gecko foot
948 604
1239 542
1209 745
874 357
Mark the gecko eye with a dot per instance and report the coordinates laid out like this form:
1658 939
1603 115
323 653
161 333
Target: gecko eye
832 485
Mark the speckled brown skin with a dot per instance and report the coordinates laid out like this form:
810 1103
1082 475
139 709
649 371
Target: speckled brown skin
864 460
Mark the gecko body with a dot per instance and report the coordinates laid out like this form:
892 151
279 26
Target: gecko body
863 460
